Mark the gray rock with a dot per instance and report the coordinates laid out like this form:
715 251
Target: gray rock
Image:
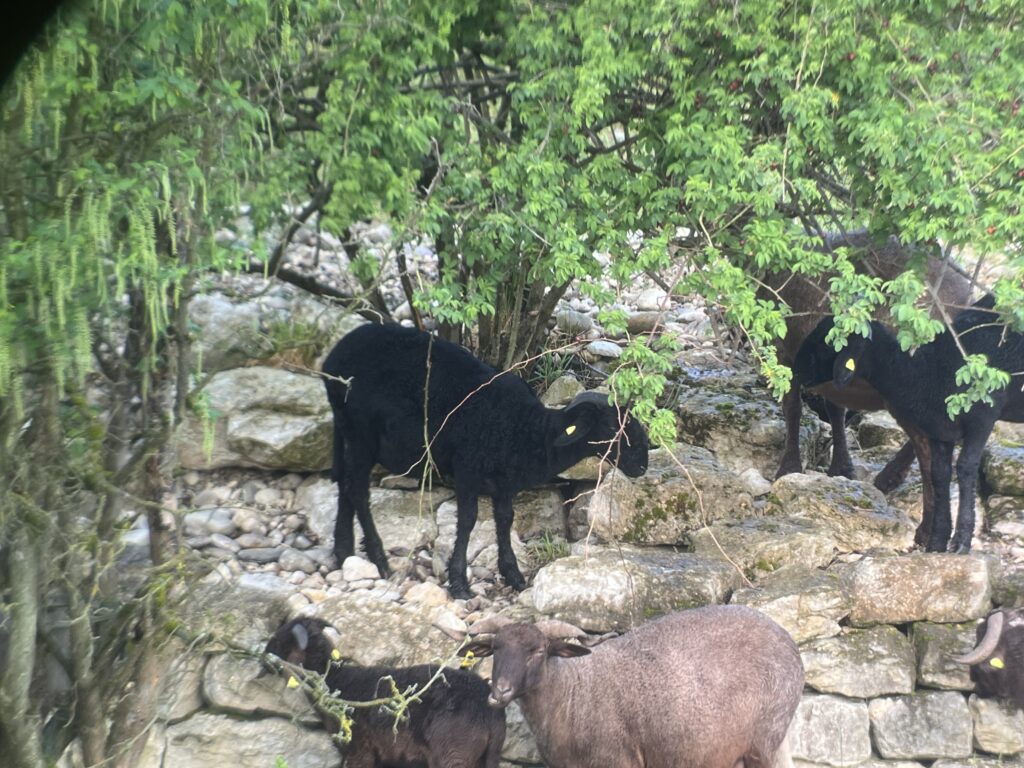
998 726
925 726
253 541
976 762
520 745
918 587
619 587
217 520
878 429
805 601
755 483
246 611
561 391
573 323
652 300
1002 466
1004 516
1008 584
294 560
427 594
180 682
404 519
379 631
645 322
737 419
261 555
356 568
207 739
934 644
681 492
232 684
248 521
267 418
830 730
860 664
600 348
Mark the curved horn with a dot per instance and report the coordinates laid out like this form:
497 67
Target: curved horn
301 636
559 630
988 643
490 625
590 396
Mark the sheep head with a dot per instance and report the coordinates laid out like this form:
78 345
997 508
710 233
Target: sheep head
304 642
612 433
521 652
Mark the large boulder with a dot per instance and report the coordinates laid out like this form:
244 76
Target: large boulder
1002 467
378 631
245 611
234 685
682 491
860 663
998 726
830 730
405 520
918 587
935 645
615 588
736 417
207 739
805 601
264 417
924 726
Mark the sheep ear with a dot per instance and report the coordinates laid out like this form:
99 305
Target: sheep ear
566 650
301 636
478 648
577 422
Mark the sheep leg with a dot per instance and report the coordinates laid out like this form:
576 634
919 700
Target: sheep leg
792 410
942 471
922 448
967 466
895 472
841 464
458 584
507 565
354 501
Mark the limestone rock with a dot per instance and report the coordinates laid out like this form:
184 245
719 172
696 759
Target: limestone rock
619 587
520 745
1002 466
1008 584
738 420
663 506
405 520
924 726
854 512
602 349
934 645
878 429
561 391
266 417
181 682
573 323
998 726
805 601
246 611
232 684
379 631
830 730
356 568
207 739
860 664
919 587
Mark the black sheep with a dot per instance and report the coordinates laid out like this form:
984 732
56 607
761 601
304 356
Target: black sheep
487 430
450 727
997 661
916 387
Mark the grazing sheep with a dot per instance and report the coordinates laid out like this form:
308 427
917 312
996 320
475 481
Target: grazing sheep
486 429
713 687
808 302
451 727
997 661
915 388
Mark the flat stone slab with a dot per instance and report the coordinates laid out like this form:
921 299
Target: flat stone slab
924 726
919 587
860 663
934 645
998 726
806 602
615 588
830 730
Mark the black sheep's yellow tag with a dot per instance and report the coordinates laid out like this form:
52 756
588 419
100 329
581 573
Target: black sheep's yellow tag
997 662
850 365
570 429
468 659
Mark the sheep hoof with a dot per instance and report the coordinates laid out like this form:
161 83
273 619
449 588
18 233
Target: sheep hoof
789 468
842 470
959 547
517 582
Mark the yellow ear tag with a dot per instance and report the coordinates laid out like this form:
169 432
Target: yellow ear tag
850 365
997 663
570 429
467 660
336 654
293 683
